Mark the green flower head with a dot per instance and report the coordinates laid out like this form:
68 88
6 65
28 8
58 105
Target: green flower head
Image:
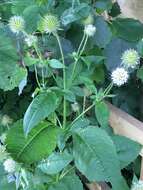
130 58
49 24
16 24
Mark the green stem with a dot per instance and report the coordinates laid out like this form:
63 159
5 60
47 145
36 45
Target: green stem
107 90
36 75
64 80
59 121
84 103
79 52
40 57
66 172
86 110
83 38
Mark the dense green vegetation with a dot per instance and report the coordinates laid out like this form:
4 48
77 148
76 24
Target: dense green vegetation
59 61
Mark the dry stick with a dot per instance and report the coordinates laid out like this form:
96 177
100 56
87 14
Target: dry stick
141 171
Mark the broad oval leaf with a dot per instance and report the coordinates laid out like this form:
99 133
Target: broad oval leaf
127 150
11 74
95 156
128 29
56 64
70 182
40 108
118 46
39 144
102 113
55 162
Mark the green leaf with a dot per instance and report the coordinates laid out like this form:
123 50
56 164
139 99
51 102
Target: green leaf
118 46
32 16
127 150
73 14
103 33
102 113
4 185
128 29
56 64
103 5
40 108
70 182
140 47
11 74
55 162
140 73
39 144
95 156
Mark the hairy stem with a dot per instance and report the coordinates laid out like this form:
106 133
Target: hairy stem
64 79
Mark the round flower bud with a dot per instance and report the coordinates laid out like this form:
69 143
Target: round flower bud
50 24
138 185
119 76
9 165
90 30
30 40
130 58
88 20
6 120
16 24
3 138
75 107
3 153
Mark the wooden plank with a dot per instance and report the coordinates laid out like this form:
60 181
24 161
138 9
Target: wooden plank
96 186
125 124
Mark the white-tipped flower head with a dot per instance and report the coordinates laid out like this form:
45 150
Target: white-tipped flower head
90 30
9 165
30 40
119 76
6 120
75 107
130 58
3 138
16 24
50 24
3 153
137 186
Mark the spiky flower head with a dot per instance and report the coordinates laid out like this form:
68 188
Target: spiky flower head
130 58
3 153
9 165
50 24
119 76
138 185
30 40
16 24
90 30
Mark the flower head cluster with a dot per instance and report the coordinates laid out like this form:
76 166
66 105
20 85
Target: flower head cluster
9 165
3 153
50 24
90 30
137 186
30 40
119 76
130 58
16 24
